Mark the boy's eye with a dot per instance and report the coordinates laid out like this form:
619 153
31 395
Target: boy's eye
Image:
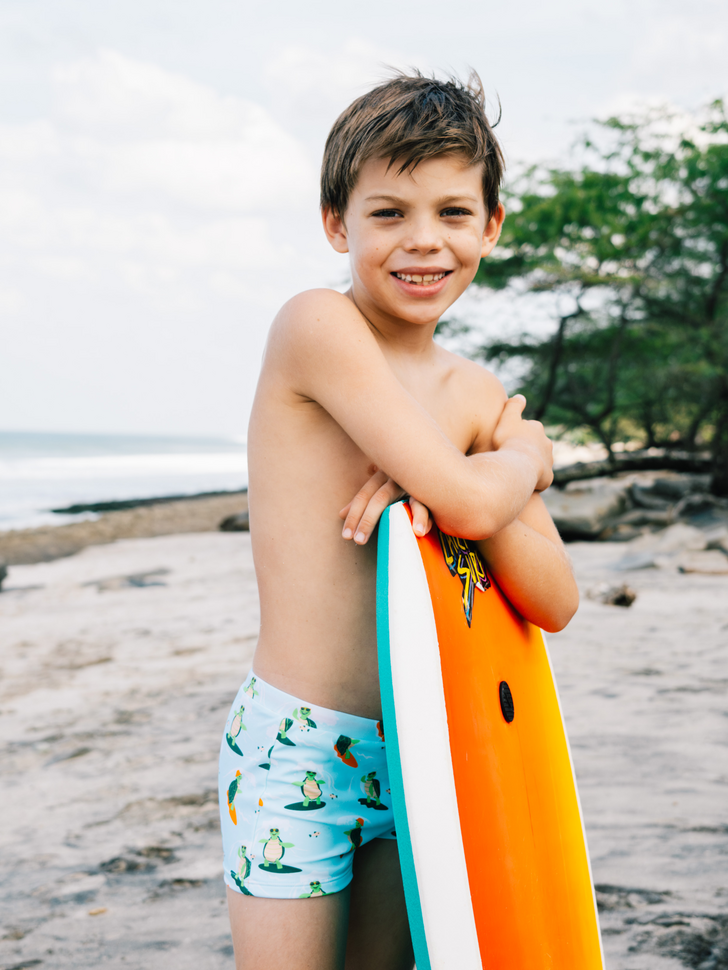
387 213
454 211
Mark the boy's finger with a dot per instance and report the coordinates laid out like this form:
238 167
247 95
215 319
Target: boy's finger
358 504
345 511
421 519
516 403
387 494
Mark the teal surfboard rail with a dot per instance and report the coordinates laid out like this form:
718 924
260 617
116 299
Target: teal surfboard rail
394 763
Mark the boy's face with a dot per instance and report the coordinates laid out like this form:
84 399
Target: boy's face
414 240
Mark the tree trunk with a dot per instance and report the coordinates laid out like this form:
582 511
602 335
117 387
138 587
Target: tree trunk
719 481
634 461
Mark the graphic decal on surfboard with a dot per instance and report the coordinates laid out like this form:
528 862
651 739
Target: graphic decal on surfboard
464 562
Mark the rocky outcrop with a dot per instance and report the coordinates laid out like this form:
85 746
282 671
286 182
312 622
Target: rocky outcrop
583 510
239 522
628 506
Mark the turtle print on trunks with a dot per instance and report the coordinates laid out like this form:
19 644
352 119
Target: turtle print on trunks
295 801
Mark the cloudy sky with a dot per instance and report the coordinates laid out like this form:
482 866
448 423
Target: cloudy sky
159 158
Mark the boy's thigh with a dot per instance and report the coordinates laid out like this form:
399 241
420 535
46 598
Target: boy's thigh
363 926
280 934
378 933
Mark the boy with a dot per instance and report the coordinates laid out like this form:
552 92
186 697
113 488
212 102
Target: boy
355 407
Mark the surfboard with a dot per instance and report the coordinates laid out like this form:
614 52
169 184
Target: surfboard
489 827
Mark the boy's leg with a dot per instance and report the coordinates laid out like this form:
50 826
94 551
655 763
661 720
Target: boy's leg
282 934
379 934
277 934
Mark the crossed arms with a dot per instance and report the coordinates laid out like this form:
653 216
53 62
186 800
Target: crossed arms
329 355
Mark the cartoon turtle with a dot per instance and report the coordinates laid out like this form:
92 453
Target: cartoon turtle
303 717
342 746
372 788
244 866
232 791
310 789
250 689
354 835
266 764
236 726
380 729
283 728
316 890
274 850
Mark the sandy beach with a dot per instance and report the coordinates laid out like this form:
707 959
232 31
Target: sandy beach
118 667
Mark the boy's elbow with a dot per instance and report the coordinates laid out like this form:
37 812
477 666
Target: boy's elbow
561 613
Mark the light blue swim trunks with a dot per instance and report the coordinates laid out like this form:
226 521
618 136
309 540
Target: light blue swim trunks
301 788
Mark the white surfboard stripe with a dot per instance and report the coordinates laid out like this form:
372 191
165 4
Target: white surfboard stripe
424 747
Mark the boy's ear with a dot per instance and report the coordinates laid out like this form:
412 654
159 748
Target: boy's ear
335 230
493 230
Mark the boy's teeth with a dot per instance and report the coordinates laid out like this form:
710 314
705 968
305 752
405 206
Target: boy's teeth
415 278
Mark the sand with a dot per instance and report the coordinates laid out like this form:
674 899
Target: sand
114 692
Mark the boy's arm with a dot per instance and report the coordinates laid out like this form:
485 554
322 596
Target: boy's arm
323 345
530 564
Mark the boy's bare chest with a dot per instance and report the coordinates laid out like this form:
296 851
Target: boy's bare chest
446 405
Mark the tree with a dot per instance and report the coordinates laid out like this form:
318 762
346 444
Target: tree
633 244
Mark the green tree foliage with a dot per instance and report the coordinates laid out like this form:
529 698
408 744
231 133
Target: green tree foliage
633 243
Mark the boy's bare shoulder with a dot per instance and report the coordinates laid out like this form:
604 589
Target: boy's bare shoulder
312 313
479 394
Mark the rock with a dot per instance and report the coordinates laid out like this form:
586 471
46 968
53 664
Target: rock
613 595
240 522
582 510
711 562
660 548
636 518
717 538
3 574
676 538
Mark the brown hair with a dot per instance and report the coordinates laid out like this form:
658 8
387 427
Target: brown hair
409 119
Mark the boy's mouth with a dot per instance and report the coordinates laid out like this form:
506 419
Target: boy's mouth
422 279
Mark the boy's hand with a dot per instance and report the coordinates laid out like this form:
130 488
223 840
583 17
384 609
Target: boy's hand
365 509
513 431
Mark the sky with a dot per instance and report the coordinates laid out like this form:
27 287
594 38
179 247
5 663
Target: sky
159 163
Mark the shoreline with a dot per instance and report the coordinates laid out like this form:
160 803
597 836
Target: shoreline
133 519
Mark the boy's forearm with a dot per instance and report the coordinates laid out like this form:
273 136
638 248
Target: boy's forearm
498 487
534 573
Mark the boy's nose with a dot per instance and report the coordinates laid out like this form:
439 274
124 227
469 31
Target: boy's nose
424 237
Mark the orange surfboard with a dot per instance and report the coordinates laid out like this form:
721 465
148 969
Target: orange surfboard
488 821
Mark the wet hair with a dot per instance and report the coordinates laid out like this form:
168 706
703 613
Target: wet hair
408 119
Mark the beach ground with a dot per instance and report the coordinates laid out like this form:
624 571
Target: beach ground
118 668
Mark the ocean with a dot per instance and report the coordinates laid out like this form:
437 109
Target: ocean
40 471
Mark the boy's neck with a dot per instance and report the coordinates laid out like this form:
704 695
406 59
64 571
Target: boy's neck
397 335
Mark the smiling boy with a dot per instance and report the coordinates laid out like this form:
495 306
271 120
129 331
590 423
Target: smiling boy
356 406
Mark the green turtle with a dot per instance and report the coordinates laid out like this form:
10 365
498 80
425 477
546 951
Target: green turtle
303 717
310 789
342 746
283 728
274 850
354 834
316 890
233 789
244 866
236 726
250 689
372 788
